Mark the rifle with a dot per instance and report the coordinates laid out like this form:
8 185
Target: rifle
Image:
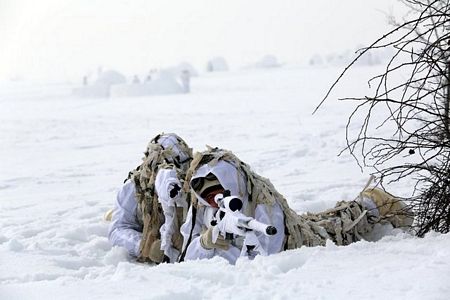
229 221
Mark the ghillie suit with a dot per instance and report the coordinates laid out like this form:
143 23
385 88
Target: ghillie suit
344 224
150 213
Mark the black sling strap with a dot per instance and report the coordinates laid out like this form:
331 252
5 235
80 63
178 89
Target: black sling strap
194 216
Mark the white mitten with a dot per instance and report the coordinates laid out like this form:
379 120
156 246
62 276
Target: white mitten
168 187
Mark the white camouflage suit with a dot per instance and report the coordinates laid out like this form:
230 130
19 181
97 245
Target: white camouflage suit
126 226
233 180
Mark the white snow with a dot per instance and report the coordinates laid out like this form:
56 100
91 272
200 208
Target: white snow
63 158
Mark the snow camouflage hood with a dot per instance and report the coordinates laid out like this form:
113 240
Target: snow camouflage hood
227 174
163 151
343 224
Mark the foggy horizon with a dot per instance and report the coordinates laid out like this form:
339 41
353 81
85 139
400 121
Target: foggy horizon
64 40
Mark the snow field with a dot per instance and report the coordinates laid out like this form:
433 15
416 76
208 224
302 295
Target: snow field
63 159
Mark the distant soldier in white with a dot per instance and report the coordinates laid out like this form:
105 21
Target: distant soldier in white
85 80
99 71
235 212
136 79
186 80
149 77
151 205
209 67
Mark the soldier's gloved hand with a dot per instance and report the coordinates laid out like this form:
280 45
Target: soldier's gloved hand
177 195
207 243
168 188
156 254
174 190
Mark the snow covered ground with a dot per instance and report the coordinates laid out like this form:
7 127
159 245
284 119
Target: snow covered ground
63 159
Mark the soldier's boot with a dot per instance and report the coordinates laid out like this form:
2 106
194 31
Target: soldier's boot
389 207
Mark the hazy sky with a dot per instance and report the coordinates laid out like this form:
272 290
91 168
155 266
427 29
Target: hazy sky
63 39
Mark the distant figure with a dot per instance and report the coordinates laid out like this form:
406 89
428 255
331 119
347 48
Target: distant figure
85 80
148 78
99 71
186 80
136 79
209 67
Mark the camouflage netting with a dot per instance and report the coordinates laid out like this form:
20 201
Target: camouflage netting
150 213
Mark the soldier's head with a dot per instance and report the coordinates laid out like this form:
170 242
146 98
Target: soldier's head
176 149
207 187
210 180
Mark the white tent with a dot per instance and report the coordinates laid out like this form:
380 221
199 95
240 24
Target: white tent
268 61
110 77
180 68
217 64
